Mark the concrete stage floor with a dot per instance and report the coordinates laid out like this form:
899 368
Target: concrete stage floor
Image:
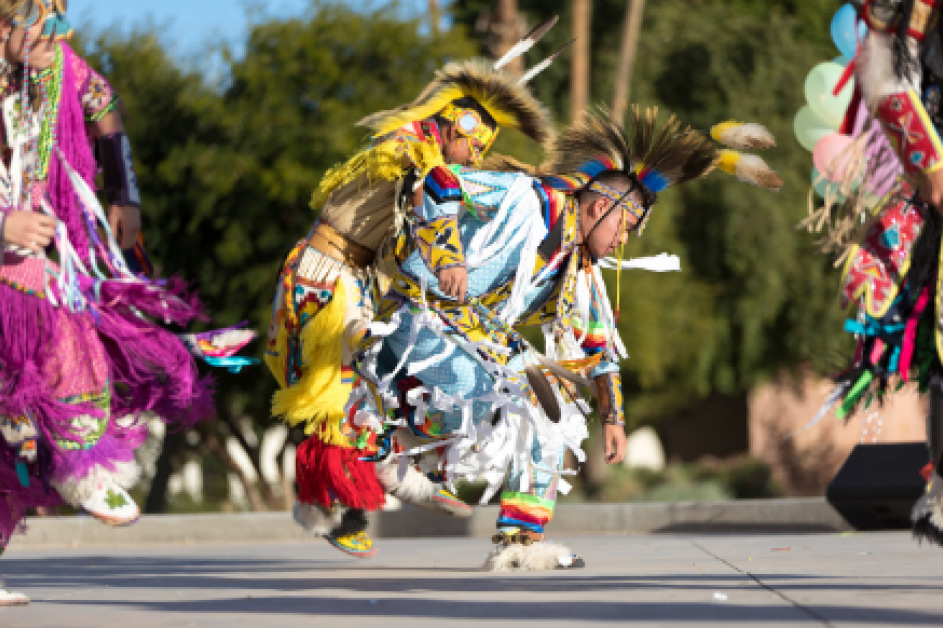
869 580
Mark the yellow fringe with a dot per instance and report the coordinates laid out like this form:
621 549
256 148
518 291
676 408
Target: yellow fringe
319 397
381 162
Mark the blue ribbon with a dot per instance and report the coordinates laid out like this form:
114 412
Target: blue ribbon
873 328
22 472
235 363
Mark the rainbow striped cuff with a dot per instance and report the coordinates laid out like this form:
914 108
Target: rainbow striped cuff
525 511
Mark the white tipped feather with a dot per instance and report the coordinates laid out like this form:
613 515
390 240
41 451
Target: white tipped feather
745 136
752 169
527 42
543 65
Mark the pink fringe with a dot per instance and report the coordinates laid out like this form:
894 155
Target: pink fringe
149 368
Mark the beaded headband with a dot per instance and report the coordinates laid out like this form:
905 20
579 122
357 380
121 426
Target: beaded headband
50 13
622 200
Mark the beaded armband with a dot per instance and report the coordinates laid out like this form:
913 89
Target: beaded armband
910 131
439 243
120 183
609 395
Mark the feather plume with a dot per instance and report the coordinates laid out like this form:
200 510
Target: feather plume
562 372
543 65
544 393
750 168
527 42
743 135
511 105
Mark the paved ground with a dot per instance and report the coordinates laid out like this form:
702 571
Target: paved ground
772 580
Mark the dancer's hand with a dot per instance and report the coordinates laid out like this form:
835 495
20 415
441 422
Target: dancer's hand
454 282
125 223
28 230
931 189
616 443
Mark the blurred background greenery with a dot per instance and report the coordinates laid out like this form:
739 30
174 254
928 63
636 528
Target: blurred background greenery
229 149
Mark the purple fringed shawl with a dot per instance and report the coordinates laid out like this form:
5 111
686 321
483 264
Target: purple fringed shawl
74 143
149 367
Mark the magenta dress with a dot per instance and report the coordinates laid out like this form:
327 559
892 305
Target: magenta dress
83 347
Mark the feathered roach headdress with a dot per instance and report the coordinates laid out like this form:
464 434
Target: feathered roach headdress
505 99
653 159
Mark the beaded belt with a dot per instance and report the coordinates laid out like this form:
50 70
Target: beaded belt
334 244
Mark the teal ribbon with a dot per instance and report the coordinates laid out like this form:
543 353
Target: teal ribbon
873 328
22 472
235 363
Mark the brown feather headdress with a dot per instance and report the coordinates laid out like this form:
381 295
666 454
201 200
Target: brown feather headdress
652 158
509 103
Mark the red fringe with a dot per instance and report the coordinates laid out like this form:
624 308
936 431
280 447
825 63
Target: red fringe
328 473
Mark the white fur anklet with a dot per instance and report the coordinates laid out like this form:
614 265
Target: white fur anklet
316 519
539 556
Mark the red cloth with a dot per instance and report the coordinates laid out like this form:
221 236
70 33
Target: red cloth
328 473
927 471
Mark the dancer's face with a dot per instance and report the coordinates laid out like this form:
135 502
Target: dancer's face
458 149
42 52
604 228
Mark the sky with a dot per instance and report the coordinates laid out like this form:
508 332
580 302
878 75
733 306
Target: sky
189 22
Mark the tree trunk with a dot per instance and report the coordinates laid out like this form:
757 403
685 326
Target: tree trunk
255 456
435 17
156 502
508 25
595 471
579 75
288 492
500 29
633 27
218 448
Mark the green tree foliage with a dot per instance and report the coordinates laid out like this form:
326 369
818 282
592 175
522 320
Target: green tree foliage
753 297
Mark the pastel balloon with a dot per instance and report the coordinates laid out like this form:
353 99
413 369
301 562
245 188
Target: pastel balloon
819 87
832 156
845 31
810 128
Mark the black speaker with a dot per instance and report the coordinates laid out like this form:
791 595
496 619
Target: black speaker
879 484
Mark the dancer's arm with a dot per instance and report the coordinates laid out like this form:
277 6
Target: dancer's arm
896 96
28 230
113 151
436 206
607 379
